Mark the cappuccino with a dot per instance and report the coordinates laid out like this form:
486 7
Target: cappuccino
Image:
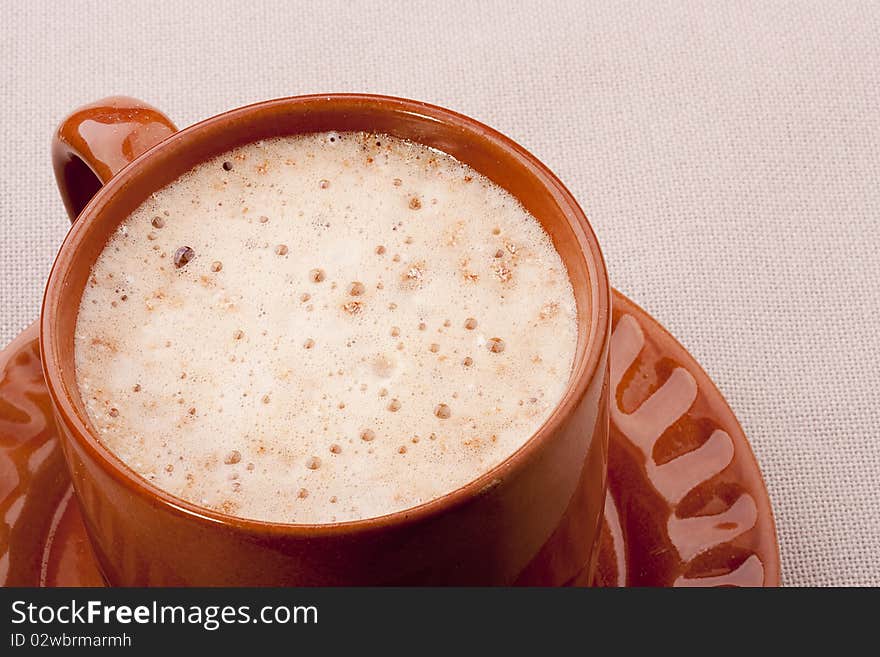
324 328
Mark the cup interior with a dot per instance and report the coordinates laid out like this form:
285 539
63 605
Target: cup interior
472 143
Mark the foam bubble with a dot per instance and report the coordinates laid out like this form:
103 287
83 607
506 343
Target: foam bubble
183 255
495 345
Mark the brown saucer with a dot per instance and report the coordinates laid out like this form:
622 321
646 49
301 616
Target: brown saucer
686 504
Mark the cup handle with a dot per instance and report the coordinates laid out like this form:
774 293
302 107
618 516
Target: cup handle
97 140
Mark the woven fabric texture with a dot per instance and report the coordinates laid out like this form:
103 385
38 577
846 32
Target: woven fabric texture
728 155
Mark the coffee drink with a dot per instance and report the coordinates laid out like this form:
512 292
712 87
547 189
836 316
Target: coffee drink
324 328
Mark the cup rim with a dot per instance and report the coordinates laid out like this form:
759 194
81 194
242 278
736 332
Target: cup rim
584 370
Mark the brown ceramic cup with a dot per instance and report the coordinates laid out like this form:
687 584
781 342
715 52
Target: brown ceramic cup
534 519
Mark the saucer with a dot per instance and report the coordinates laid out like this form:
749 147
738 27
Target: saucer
686 504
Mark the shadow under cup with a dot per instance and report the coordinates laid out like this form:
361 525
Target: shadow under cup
534 519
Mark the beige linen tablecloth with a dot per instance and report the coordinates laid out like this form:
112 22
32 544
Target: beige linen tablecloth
728 155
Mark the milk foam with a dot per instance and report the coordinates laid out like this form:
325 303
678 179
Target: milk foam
324 328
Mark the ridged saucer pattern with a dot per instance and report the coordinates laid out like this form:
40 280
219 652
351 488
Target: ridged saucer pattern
686 504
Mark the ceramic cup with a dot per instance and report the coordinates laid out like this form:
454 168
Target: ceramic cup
534 519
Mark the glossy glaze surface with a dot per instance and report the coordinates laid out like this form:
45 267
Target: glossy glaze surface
687 505
42 539
97 140
45 544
